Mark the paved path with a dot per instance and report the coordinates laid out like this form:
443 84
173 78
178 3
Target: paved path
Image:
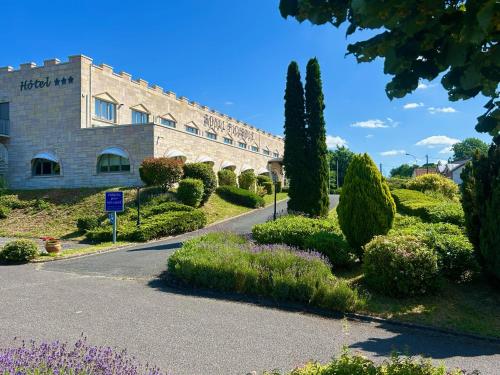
115 300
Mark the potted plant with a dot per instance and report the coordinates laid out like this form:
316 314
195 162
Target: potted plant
52 245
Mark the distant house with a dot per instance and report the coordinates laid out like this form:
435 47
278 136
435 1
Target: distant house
454 169
421 171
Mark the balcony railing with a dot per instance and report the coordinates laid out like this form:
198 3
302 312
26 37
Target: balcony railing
4 128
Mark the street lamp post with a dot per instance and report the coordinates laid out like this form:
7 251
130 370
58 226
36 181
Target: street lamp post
275 181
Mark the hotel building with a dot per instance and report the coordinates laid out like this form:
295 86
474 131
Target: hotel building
76 124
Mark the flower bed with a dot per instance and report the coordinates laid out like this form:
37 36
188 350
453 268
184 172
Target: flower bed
61 358
228 262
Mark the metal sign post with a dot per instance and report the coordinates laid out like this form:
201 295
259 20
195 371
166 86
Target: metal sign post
275 181
114 204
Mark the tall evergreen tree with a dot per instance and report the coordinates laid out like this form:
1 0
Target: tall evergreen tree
316 149
295 139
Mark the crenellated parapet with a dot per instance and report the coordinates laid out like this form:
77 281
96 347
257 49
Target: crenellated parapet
143 84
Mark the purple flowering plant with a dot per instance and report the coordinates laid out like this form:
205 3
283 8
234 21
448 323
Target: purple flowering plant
58 358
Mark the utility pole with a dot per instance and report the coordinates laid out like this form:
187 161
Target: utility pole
427 162
381 168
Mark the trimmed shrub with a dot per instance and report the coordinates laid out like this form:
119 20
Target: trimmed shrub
162 208
162 225
205 173
261 179
433 182
291 230
85 223
397 182
366 207
227 177
4 212
18 251
246 180
456 259
355 364
190 191
266 183
240 196
333 246
260 191
227 262
164 172
400 266
428 208
268 187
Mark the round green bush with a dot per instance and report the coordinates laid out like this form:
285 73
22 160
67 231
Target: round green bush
366 207
4 212
246 180
19 251
400 266
190 191
434 182
333 246
86 223
261 179
205 173
163 172
227 177
239 196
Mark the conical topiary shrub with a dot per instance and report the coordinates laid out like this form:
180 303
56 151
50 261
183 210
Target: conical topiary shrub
366 206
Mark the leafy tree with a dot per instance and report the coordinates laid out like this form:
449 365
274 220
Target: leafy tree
481 202
163 172
294 158
420 40
467 148
404 170
316 150
366 207
343 156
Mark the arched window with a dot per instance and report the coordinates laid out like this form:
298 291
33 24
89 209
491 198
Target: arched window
112 160
45 164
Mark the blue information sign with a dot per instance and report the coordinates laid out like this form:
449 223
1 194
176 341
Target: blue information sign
114 201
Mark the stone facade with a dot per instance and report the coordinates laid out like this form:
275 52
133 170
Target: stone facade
52 110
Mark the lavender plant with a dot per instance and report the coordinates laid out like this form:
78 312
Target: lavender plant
59 358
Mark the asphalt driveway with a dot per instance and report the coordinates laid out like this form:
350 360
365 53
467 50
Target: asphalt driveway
116 299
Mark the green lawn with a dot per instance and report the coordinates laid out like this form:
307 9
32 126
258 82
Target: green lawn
102 247
55 212
470 307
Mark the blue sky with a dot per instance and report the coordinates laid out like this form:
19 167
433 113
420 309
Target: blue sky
233 56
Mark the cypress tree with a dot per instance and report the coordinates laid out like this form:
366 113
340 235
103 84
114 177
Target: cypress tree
316 149
295 138
366 207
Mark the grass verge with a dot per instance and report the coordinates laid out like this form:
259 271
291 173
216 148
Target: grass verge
69 253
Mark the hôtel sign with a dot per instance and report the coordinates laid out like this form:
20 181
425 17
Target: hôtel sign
219 125
45 82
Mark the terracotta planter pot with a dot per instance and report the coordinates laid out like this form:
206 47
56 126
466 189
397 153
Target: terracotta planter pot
53 246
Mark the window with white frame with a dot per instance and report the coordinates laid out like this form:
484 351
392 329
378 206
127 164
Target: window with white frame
139 117
192 130
109 163
45 167
211 135
266 152
167 122
255 149
105 110
228 141
242 145
276 154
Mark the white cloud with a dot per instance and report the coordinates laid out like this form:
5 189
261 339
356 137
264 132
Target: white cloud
423 86
334 142
446 150
434 110
228 102
413 105
393 152
370 124
437 140
369 136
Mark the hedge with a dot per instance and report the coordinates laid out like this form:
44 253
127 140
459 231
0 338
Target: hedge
18 251
428 208
400 266
162 225
205 173
240 196
226 262
190 191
